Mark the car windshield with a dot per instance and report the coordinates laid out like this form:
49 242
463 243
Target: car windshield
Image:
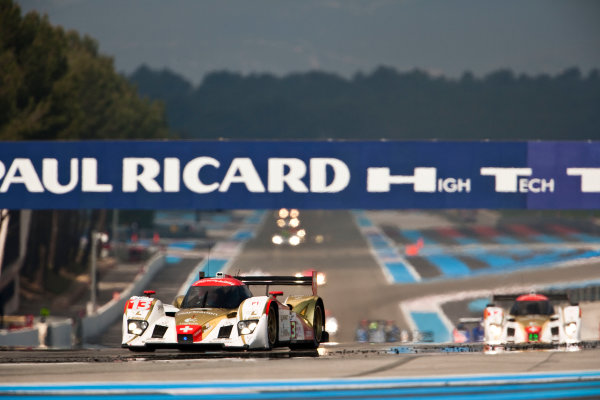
215 296
521 308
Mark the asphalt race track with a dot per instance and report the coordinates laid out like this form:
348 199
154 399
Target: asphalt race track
356 289
362 371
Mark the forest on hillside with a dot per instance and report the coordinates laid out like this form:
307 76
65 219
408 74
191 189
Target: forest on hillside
385 103
55 85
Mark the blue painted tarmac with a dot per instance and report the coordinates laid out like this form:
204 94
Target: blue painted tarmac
559 385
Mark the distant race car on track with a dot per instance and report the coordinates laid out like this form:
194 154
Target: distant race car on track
534 320
221 312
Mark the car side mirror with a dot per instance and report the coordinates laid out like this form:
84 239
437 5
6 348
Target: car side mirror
178 300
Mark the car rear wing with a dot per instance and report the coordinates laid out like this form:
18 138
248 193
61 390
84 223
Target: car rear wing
268 280
556 296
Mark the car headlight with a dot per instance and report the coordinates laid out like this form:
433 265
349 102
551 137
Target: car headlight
276 239
294 240
247 327
571 329
136 326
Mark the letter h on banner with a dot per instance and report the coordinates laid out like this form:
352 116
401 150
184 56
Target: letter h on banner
379 180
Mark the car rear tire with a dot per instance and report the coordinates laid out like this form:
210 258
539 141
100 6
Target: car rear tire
318 326
318 330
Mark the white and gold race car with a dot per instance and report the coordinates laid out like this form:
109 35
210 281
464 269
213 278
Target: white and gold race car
533 321
221 312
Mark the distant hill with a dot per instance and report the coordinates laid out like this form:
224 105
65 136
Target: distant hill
383 104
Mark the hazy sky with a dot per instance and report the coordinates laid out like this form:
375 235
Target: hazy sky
193 37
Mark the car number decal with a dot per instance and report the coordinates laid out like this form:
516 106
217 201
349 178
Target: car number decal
293 329
139 304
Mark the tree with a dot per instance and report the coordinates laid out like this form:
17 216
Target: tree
32 59
55 85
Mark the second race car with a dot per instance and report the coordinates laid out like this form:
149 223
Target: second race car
533 321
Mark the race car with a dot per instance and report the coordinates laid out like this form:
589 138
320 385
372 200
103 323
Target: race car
221 312
534 321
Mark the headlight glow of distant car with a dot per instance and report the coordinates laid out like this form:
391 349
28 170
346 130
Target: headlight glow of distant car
294 240
571 329
277 239
321 280
331 325
136 327
495 331
247 327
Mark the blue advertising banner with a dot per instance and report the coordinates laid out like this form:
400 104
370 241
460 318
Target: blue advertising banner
301 174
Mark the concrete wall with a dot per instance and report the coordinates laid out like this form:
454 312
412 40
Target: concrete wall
20 338
60 334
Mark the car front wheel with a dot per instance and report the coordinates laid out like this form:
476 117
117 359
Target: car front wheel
271 328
